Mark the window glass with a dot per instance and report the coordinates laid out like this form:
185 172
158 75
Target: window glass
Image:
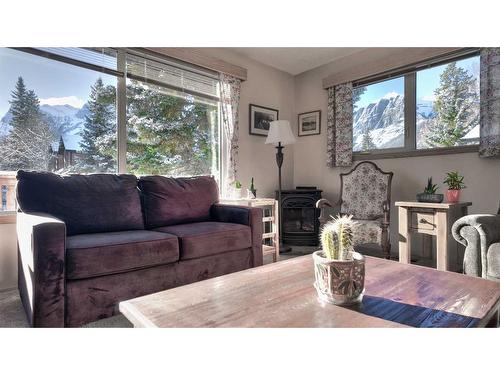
170 132
378 115
55 116
447 112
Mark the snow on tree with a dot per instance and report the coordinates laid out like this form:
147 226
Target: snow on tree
456 107
367 140
168 134
98 142
27 146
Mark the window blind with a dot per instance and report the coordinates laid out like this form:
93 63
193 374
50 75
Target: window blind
172 75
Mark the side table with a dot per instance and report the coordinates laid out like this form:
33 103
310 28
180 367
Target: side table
433 219
270 231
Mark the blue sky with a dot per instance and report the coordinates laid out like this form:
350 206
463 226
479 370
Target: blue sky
427 82
54 82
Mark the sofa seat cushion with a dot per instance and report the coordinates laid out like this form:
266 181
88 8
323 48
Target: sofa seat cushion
89 255
209 238
494 261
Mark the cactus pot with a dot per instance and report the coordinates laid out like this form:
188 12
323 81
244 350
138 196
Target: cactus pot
430 198
341 282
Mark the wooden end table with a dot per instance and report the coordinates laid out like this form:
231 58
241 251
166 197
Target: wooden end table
273 247
433 219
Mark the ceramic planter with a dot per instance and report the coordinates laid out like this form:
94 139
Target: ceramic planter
341 282
430 198
452 196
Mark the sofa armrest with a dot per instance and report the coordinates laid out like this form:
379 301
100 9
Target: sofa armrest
476 233
41 242
251 216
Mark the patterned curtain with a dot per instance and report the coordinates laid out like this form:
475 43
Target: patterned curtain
489 144
339 126
230 88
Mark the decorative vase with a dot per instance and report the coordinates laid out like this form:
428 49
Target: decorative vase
251 194
452 196
430 198
341 282
237 193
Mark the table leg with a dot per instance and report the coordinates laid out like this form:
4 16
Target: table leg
404 236
442 241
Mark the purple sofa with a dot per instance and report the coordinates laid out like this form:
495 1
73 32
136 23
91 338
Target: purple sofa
87 242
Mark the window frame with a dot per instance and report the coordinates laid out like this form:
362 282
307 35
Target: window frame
410 109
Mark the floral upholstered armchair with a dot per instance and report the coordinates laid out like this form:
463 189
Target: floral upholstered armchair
365 193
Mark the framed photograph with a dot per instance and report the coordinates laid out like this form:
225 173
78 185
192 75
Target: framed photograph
260 118
309 123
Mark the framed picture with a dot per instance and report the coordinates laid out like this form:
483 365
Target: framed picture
260 118
309 123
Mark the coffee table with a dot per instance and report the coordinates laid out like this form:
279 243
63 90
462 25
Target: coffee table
282 295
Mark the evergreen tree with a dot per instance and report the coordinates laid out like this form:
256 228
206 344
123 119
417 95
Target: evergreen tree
99 134
456 107
168 134
367 141
28 142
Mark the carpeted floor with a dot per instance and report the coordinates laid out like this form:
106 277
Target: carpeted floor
12 314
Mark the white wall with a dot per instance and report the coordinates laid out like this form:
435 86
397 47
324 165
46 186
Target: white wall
482 176
8 256
271 88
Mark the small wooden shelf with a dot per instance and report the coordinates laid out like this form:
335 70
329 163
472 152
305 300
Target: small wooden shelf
270 233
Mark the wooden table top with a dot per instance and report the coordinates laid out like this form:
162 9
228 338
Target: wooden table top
282 295
444 205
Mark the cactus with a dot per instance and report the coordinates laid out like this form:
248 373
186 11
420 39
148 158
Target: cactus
337 237
430 188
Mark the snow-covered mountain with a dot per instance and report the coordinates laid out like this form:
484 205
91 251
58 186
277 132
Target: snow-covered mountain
66 120
385 122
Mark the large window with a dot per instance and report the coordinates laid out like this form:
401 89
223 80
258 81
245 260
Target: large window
62 110
436 107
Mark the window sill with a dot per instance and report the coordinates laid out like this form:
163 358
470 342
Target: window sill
8 217
413 153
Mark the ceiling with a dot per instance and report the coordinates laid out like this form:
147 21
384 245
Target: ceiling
295 60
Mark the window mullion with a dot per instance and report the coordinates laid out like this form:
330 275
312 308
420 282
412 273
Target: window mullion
121 112
410 109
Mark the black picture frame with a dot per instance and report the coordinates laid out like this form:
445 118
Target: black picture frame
259 118
309 123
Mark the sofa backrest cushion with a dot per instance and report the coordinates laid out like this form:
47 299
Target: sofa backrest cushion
86 203
169 201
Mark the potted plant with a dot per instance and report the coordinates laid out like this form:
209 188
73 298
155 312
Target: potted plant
237 189
252 192
338 269
455 183
429 194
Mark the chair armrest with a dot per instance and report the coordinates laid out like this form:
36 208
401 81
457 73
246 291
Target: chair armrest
321 205
41 242
251 216
476 233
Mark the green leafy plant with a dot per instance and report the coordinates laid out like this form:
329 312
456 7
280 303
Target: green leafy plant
237 184
430 188
454 181
337 237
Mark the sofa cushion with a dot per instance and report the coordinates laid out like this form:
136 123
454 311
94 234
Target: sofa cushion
89 255
86 203
494 260
169 201
209 238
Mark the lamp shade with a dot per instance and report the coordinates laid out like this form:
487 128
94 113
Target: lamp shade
280 131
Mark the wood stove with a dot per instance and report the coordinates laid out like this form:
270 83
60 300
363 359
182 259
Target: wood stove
299 216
